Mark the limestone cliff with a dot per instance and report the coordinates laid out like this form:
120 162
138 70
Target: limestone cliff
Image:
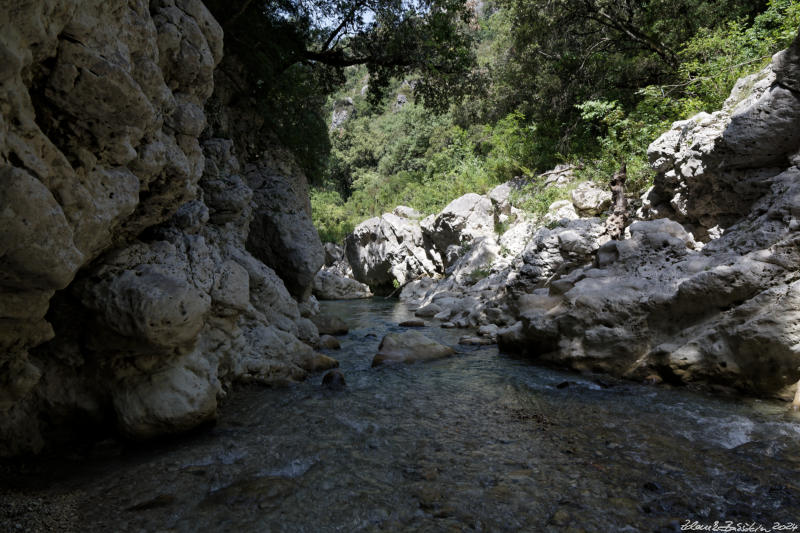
127 289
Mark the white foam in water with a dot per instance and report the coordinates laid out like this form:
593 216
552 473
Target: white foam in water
727 432
295 468
358 425
228 457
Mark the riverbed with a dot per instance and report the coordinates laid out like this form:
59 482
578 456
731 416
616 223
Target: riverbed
479 441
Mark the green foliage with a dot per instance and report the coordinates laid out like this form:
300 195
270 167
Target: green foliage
716 57
624 139
570 51
559 86
536 198
411 157
479 273
709 65
331 219
292 55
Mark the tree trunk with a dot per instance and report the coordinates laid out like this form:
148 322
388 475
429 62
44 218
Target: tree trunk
615 223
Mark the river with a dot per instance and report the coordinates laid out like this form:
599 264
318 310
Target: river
477 442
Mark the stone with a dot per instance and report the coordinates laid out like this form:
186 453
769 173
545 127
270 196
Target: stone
500 196
329 285
317 362
475 341
281 233
334 380
562 209
412 324
488 330
333 253
409 347
427 311
174 399
404 211
330 325
461 221
329 342
389 249
590 199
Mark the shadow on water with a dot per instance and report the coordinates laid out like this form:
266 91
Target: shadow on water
478 441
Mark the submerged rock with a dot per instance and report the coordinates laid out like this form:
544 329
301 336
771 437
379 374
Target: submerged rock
475 341
319 361
409 347
334 380
329 342
329 325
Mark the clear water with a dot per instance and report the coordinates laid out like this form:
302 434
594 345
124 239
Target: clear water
479 441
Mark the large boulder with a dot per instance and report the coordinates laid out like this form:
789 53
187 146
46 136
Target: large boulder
589 199
409 347
388 249
463 220
711 168
329 285
333 253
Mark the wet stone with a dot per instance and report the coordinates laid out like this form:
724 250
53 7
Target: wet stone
329 325
329 342
334 380
475 341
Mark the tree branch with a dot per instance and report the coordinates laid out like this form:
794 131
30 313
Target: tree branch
238 14
341 25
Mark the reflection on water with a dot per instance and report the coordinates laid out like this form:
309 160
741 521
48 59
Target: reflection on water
479 441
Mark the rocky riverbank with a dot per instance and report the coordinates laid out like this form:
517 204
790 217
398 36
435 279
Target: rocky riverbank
702 289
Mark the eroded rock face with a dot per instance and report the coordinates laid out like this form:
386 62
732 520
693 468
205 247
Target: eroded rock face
282 233
389 248
463 220
713 167
661 303
329 285
125 231
168 322
102 106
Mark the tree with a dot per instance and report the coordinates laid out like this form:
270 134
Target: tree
294 53
566 52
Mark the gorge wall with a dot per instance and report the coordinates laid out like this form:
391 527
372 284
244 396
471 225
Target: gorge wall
152 253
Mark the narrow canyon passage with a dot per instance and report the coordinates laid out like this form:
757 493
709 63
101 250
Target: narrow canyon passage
479 441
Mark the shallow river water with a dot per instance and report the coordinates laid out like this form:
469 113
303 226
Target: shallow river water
479 441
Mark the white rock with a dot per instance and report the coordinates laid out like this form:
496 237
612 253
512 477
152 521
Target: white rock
590 199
